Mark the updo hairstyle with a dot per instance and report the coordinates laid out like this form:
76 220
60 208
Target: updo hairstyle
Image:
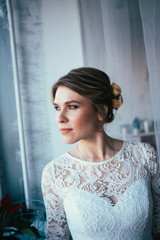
91 83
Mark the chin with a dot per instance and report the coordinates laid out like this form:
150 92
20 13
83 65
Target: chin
69 141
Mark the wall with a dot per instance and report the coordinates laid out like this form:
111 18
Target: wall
63 52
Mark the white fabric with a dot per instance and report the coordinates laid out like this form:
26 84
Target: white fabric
109 200
150 13
113 41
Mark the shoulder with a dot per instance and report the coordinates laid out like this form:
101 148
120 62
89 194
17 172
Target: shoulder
51 170
148 150
53 164
135 145
144 150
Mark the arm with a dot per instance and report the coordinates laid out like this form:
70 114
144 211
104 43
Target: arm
57 228
155 184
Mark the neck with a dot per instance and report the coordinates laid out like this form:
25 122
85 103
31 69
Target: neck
99 148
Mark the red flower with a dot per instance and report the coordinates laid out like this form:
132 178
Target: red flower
7 206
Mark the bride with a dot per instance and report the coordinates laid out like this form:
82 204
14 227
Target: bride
104 188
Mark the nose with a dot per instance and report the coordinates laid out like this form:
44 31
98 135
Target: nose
61 116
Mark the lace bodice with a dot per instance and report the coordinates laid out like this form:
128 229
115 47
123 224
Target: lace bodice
117 199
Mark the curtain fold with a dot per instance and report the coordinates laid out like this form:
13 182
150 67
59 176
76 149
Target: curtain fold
150 13
120 39
92 34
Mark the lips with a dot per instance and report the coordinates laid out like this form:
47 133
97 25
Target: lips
65 130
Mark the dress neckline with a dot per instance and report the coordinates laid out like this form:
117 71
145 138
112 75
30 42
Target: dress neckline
99 162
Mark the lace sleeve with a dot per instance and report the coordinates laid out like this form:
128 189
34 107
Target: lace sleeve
57 228
155 184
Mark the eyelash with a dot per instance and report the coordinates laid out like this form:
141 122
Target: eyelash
69 107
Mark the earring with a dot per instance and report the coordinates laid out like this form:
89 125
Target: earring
100 126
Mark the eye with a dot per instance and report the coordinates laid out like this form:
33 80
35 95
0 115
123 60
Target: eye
56 108
73 106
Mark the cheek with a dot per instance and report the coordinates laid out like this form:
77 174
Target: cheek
88 120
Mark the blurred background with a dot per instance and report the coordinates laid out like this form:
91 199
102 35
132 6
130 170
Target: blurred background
41 40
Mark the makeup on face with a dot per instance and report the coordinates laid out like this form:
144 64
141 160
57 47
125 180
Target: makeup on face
75 115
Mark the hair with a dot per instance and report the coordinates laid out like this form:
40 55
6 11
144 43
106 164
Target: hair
91 83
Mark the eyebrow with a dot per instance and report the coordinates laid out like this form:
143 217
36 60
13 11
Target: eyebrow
68 102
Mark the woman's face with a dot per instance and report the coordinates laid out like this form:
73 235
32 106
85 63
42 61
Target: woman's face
75 116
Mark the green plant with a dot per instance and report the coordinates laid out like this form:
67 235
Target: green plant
11 223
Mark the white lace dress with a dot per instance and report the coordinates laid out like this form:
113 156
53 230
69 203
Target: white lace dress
117 199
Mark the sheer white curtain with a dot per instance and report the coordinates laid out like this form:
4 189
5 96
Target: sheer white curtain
150 12
113 36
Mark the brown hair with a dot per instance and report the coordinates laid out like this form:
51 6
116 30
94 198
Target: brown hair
91 83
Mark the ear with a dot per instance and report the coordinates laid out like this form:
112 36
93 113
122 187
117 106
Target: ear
102 113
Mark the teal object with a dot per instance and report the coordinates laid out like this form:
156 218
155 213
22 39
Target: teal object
136 123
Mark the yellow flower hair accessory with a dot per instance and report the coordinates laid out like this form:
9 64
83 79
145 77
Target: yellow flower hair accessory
116 89
116 103
117 97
